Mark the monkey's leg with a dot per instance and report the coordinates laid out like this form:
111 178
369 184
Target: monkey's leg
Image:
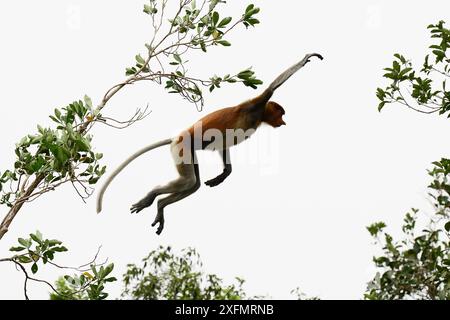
162 203
185 181
225 154
145 202
173 186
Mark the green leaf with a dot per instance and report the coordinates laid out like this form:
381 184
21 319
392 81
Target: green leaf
405 71
54 242
177 57
224 43
203 46
34 268
250 11
447 226
140 60
88 102
25 243
375 228
110 279
54 119
205 20
35 238
69 279
215 18
224 22
440 55
24 259
49 254
252 21
83 144
59 249
381 94
148 9
245 74
59 153
109 268
131 71
16 249
58 114
396 66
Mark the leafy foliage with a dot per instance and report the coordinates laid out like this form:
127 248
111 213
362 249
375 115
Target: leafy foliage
194 27
59 155
422 90
165 275
418 266
36 251
87 286
67 291
300 295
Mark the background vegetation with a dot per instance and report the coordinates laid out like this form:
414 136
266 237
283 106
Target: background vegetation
416 265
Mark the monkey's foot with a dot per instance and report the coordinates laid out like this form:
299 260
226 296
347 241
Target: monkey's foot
144 203
159 220
138 207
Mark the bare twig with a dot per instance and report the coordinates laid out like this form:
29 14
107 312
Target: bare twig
138 116
441 72
27 277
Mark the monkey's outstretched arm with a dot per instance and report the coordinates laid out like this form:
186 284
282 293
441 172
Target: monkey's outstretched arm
289 72
225 154
282 78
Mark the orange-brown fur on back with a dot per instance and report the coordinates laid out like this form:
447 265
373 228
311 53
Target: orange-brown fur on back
247 115
227 118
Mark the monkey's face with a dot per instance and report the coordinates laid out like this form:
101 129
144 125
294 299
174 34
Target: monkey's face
273 114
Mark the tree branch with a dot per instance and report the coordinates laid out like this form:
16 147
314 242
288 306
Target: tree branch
18 205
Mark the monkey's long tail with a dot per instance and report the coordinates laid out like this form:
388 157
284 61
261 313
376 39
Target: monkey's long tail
123 165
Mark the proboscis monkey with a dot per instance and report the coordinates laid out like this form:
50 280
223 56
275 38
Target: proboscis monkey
219 131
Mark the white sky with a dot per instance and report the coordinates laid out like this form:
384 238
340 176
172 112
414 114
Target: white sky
294 214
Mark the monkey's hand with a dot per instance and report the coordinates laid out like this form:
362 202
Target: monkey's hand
318 55
219 179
